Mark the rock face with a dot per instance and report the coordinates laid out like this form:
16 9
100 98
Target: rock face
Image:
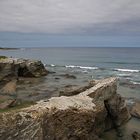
11 67
79 117
135 110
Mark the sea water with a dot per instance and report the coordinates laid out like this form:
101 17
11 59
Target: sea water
92 63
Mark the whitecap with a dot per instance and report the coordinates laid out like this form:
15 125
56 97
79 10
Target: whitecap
52 65
90 68
71 66
81 67
127 70
135 83
123 74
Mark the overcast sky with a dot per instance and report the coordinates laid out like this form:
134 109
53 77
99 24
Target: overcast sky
41 23
92 17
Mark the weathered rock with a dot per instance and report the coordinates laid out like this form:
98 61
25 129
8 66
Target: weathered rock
8 103
11 67
34 69
136 135
79 117
6 70
71 90
9 88
135 110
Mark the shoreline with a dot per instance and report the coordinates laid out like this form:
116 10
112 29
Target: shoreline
56 90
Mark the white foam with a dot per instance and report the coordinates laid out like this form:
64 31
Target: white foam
135 83
127 70
81 67
124 74
52 65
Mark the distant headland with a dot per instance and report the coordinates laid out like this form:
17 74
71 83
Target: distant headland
5 48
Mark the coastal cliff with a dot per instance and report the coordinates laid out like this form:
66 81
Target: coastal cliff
84 116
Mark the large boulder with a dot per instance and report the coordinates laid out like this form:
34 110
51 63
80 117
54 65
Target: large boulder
78 117
11 67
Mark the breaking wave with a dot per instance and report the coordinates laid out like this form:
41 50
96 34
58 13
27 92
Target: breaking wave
81 67
127 70
135 83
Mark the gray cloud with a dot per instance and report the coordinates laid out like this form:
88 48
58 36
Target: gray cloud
69 16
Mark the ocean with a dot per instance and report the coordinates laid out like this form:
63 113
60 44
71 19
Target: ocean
90 63
86 64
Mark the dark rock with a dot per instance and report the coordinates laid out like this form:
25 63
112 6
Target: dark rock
117 110
32 68
119 132
69 76
57 78
51 72
136 135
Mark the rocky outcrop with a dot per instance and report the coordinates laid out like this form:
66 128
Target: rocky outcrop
11 67
78 117
135 110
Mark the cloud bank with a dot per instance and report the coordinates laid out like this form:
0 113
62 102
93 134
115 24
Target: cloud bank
70 16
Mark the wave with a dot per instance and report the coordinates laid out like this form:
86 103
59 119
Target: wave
52 65
124 74
81 67
135 83
49 65
127 70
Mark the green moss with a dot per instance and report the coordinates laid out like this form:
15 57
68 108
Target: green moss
3 57
18 107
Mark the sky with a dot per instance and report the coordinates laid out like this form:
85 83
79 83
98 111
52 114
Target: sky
69 23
